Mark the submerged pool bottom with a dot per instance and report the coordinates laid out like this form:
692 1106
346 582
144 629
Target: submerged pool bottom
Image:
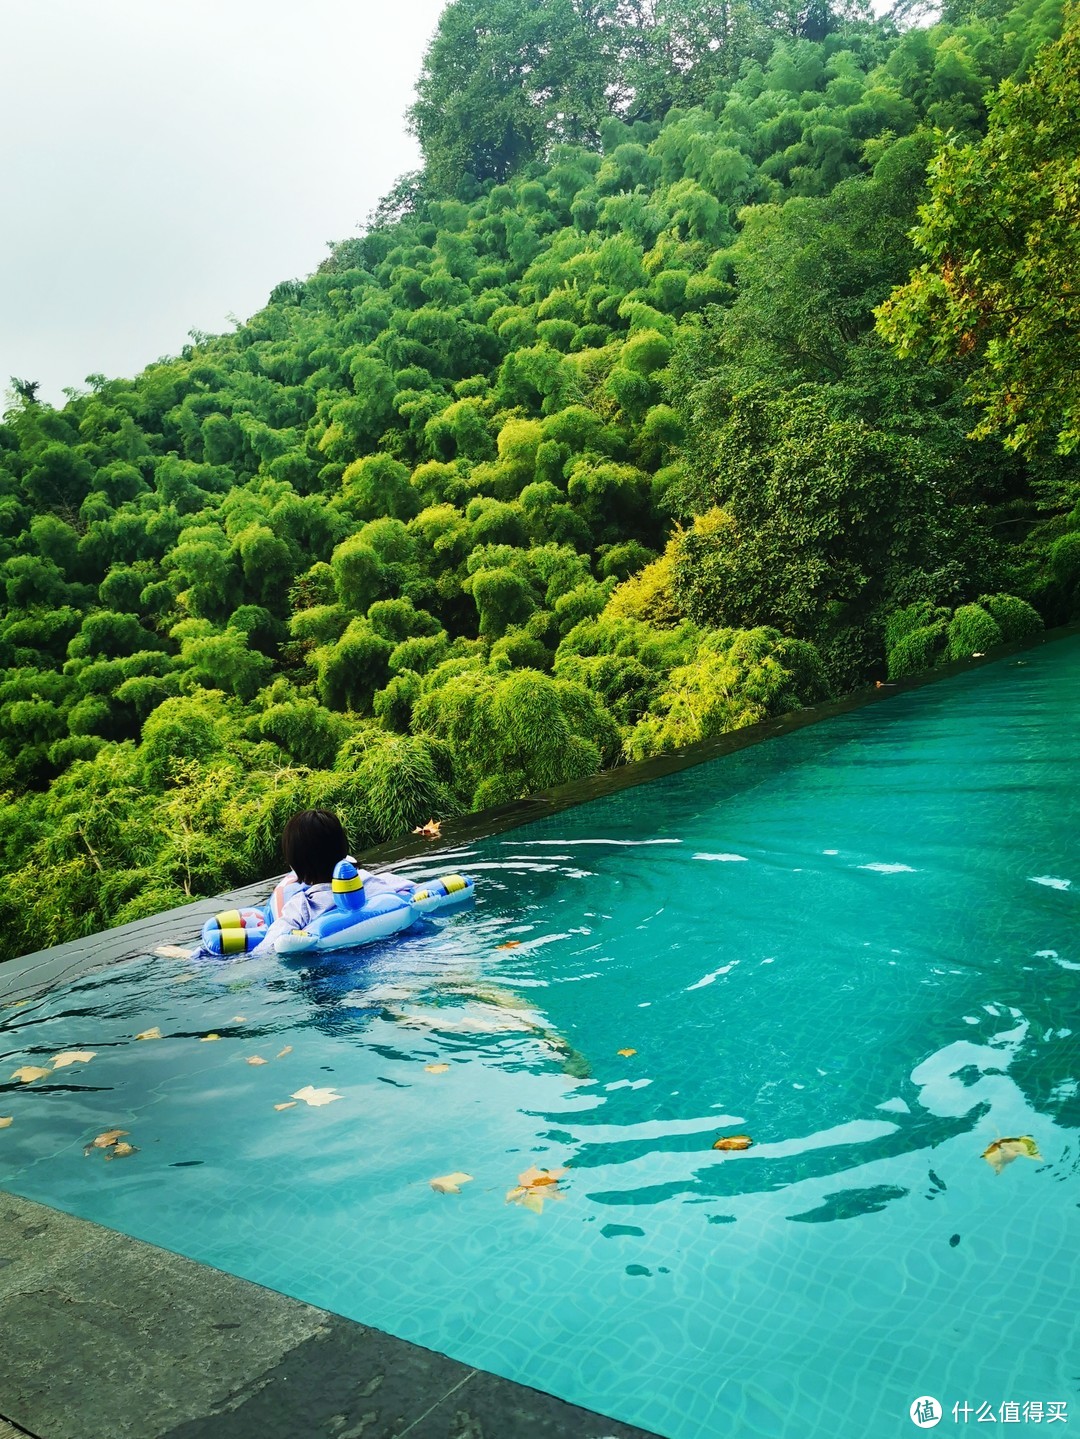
856 945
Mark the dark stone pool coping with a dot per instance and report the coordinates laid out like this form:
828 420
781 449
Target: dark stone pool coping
105 1337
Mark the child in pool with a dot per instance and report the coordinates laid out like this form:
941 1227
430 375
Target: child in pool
313 842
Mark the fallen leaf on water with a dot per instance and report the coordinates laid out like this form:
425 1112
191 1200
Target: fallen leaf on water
291 1105
103 1141
1004 1151
121 1150
431 830
310 1095
73 1056
436 1068
532 1176
534 1186
510 944
208 1037
172 951
734 1141
239 1019
154 1033
29 1072
257 1059
450 1183
4 1122
626 1053
16 1003
530 1198
283 1052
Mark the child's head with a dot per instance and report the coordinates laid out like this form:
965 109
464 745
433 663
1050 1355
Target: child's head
312 842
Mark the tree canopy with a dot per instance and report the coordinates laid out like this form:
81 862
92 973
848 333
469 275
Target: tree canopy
999 293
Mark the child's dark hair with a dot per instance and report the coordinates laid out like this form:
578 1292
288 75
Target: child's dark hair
312 842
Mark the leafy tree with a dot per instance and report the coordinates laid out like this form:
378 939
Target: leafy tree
496 75
517 732
819 517
352 669
997 294
404 778
226 662
308 733
179 729
358 573
736 678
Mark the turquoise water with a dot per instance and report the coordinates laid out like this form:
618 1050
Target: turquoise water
859 945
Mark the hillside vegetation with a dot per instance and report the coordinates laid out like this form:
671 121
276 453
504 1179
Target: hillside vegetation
586 449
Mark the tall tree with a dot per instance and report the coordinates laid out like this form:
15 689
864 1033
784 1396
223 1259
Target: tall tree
999 293
499 79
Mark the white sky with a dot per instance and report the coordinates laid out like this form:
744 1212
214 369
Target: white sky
166 162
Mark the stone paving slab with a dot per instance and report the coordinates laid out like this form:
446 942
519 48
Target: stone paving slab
105 1337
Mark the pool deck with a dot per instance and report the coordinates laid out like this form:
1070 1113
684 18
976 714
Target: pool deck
105 1337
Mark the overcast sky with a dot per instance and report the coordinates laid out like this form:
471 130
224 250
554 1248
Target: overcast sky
166 162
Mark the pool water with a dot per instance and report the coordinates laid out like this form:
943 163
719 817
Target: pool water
858 945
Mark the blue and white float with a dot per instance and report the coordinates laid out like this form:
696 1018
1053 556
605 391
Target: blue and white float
367 908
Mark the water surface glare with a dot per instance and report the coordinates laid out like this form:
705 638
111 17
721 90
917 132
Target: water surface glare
858 945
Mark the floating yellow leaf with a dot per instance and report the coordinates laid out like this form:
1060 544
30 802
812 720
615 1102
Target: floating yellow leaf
530 1198
121 1150
734 1141
154 1033
532 1176
450 1183
73 1056
431 830
239 1019
1004 1151
436 1068
208 1037
257 1059
510 944
4 1122
29 1072
534 1186
16 1004
291 1105
103 1141
283 1052
310 1095
626 1053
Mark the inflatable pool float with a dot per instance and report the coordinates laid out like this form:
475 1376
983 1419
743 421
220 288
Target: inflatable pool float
366 908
